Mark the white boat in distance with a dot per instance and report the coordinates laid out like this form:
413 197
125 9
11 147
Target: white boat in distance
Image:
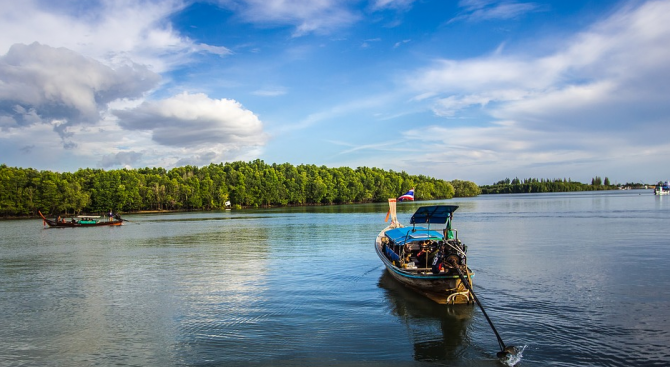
662 189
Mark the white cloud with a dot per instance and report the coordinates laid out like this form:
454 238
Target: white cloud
486 73
57 86
486 154
112 32
307 16
96 57
195 120
400 43
366 43
595 73
108 145
600 98
452 105
478 10
270 92
392 4
124 159
615 76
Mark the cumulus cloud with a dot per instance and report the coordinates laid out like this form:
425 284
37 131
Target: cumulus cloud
195 120
107 58
39 83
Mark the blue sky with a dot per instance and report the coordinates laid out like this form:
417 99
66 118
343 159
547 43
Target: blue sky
475 90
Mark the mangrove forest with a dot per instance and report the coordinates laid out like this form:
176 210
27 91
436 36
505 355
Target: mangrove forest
24 191
531 185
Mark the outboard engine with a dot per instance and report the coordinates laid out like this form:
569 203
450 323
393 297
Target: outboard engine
452 254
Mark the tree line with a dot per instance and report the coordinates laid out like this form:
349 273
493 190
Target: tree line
531 185
24 191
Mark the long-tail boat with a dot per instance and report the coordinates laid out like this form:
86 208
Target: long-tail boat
429 261
81 221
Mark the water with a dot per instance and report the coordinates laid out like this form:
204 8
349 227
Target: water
579 279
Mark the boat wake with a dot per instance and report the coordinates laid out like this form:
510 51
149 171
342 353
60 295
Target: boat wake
512 359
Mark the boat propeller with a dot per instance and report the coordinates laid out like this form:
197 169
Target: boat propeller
505 351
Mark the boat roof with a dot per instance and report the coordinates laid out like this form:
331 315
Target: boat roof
433 214
87 216
404 235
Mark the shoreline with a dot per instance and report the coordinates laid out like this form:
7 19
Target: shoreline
164 211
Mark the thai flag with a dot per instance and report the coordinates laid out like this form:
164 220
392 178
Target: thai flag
409 195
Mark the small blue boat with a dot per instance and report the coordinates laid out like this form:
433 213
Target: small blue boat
427 255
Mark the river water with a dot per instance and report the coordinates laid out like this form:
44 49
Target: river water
576 279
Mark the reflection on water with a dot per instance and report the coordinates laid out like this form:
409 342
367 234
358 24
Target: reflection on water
579 278
438 332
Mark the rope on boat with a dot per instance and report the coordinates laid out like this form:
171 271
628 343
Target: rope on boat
456 248
452 297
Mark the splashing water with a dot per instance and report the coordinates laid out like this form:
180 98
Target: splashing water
512 359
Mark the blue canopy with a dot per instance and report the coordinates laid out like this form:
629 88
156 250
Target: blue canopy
408 234
439 214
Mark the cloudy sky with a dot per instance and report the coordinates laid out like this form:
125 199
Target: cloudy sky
476 90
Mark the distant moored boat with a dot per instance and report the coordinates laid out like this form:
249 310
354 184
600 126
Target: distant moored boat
662 189
81 221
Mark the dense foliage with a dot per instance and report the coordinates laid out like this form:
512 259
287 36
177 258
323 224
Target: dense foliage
465 188
244 184
529 185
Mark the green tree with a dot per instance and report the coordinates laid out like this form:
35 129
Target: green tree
466 188
49 197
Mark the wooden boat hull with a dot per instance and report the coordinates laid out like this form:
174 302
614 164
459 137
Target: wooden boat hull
52 223
69 224
442 288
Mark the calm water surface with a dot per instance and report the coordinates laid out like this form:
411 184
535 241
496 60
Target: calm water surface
579 279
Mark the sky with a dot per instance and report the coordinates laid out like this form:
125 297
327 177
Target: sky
477 90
